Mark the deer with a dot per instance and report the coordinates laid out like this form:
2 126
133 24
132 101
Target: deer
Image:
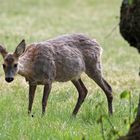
63 58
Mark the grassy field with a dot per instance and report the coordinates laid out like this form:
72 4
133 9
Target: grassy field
36 20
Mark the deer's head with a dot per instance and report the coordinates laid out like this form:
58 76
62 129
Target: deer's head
10 65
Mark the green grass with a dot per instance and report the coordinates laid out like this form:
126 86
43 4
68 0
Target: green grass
37 20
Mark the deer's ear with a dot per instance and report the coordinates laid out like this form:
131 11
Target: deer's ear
3 51
20 48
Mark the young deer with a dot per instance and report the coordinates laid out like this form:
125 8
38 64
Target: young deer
61 59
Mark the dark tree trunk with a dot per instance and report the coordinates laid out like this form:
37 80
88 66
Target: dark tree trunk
130 22
130 30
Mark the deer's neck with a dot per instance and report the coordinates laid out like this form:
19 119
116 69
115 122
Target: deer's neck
23 67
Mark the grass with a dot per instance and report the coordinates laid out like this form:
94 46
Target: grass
39 20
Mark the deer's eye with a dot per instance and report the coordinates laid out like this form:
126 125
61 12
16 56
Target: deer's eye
4 66
15 65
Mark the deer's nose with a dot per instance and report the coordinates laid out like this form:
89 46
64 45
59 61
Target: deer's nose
9 79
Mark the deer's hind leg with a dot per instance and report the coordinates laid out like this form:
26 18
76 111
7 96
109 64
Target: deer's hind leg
95 73
82 91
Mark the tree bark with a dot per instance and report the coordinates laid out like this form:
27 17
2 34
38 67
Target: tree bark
130 22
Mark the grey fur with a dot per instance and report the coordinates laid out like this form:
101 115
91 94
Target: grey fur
61 59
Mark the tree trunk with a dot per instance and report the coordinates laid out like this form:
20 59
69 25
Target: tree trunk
130 22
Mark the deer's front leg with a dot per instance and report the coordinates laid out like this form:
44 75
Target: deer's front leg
47 89
32 89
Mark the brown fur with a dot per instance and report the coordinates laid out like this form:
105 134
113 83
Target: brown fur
63 59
